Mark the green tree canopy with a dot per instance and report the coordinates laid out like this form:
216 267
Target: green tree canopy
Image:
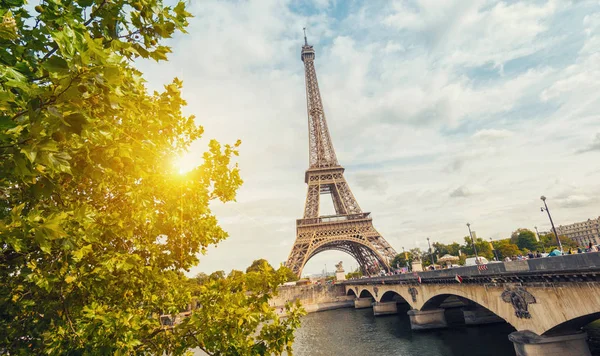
96 225
401 259
357 273
514 237
216 275
549 242
526 240
506 249
442 249
290 276
259 265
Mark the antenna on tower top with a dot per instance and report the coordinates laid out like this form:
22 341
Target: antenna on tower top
305 41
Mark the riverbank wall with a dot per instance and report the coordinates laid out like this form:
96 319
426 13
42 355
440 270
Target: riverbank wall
314 298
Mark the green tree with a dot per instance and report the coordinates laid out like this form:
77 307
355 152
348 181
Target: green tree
483 248
201 278
416 253
259 265
401 259
467 247
549 242
505 248
96 225
357 273
290 276
442 249
216 275
526 240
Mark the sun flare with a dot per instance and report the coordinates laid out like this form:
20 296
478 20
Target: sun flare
184 163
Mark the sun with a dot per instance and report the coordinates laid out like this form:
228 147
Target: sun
184 163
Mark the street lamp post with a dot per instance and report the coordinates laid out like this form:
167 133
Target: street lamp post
473 242
406 259
493 248
540 239
551 222
431 254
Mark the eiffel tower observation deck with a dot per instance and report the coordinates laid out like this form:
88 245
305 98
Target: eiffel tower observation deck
350 230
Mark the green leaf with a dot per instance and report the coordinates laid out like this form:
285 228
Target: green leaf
76 122
21 167
6 123
58 161
29 152
56 64
80 253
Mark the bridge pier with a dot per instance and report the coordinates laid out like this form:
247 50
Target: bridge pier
385 308
476 315
427 319
361 303
528 343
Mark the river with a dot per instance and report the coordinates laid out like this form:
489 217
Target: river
357 332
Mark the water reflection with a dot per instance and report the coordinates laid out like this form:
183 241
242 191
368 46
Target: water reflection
358 332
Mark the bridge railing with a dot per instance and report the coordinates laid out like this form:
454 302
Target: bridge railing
549 266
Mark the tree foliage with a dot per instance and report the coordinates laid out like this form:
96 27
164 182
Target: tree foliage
402 260
96 225
290 276
506 248
239 320
549 242
357 273
526 240
259 265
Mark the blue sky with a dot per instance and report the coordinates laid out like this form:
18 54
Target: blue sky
441 112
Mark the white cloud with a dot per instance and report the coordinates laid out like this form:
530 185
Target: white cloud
491 134
464 191
575 201
426 102
594 146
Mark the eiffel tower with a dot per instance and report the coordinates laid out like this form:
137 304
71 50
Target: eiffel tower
350 230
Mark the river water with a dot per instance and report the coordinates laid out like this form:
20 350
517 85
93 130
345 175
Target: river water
357 332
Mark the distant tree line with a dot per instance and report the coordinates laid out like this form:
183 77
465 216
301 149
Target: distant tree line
260 266
521 242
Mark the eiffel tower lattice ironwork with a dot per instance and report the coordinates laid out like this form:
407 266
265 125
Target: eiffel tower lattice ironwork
350 230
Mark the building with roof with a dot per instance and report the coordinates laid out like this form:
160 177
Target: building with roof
582 232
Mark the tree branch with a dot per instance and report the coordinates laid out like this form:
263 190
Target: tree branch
92 17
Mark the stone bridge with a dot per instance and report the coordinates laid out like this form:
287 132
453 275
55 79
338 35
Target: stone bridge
547 300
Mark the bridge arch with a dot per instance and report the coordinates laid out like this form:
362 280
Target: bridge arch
365 293
350 292
572 325
473 298
393 296
436 301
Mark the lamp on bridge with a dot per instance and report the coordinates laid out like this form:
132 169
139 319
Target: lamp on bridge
473 242
551 222
406 259
431 254
494 249
539 239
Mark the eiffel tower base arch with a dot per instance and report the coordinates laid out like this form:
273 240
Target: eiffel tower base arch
353 234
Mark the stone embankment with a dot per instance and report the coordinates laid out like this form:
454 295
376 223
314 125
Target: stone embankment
313 297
